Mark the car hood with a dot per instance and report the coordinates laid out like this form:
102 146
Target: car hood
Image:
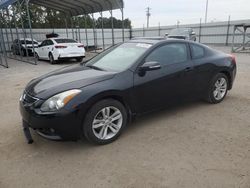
71 77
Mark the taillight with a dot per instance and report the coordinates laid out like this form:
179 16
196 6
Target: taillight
233 58
81 46
60 46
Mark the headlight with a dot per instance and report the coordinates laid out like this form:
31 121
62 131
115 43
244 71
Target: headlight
59 101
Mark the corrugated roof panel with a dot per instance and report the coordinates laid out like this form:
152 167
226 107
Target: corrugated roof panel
80 7
74 7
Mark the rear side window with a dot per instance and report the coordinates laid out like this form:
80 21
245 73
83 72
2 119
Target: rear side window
65 41
197 51
49 42
169 54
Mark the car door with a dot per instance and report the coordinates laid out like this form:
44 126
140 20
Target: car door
41 49
49 46
168 84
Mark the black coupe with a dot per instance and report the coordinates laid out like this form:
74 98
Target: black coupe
96 100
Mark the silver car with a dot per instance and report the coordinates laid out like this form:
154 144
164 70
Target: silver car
182 33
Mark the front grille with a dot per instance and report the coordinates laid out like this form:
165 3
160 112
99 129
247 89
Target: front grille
28 99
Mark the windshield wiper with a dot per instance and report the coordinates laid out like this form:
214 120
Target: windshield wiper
95 67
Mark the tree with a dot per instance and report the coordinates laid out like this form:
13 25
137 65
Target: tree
54 19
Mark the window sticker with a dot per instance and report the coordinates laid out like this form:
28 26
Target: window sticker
143 45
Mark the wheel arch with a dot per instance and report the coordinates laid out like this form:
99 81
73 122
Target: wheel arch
228 75
110 95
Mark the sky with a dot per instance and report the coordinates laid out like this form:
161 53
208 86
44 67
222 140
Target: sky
168 12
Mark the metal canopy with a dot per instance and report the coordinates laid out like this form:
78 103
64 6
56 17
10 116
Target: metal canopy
71 8
80 7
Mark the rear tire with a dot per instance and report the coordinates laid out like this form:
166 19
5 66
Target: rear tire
79 59
218 88
51 59
105 122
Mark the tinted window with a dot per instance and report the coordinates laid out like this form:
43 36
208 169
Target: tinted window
180 31
50 42
28 42
44 43
65 41
169 54
197 51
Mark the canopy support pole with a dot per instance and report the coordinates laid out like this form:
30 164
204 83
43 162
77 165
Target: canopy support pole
6 33
103 42
79 30
2 45
93 22
66 25
122 25
112 27
24 32
30 27
17 34
86 31
10 27
72 27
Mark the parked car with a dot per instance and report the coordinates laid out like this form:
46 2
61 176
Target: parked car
23 46
182 33
55 49
98 99
149 38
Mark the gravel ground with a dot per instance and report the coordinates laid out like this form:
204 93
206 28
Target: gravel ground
192 145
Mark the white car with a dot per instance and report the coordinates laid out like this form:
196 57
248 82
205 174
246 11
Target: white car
55 49
23 46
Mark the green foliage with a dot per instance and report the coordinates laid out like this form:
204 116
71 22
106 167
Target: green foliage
42 17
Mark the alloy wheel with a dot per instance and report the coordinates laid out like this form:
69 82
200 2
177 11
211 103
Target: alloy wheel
220 88
107 123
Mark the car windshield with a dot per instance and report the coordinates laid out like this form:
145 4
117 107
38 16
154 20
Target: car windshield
28 42
179 31
59 41
120 57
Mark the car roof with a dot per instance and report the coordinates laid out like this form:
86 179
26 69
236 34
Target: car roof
54 38
26 39
150 41
149 38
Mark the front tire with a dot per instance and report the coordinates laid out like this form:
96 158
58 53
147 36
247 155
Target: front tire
105 122
23 53
37 56
218 88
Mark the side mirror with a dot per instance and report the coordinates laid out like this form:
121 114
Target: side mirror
166 34
150 66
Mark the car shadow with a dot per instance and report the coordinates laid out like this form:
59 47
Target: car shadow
168 112
137 124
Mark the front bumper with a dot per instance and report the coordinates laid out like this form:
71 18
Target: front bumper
63 125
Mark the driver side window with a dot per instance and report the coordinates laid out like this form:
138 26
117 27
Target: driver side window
169 54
